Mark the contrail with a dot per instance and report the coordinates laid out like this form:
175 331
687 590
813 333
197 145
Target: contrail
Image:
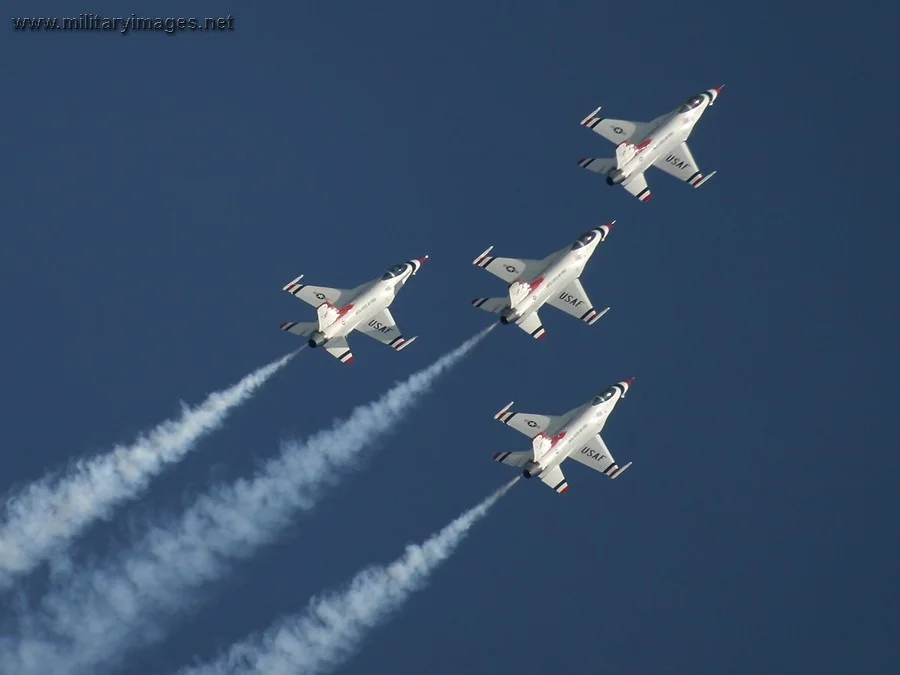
93 616
53 510
332 628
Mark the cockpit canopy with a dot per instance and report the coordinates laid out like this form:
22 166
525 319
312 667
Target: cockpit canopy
584 240
691 103
394 271
605 396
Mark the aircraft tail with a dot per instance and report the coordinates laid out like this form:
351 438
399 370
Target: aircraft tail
299 328
328 314
601 165
492 305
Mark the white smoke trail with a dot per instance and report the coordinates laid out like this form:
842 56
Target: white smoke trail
94 616
332 628
47 514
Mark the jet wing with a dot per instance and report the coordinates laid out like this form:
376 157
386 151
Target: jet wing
637 185
316 295
612 130
508 269
596 455
680 163
530 424
383 328
573 300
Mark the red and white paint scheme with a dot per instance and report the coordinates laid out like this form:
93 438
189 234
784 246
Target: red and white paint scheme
661 143
556 438
553 281
364 309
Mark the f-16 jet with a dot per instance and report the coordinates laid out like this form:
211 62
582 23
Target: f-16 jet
553 281
660 143
574 435
364 308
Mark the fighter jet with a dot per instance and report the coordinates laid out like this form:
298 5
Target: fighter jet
553 280
640 145
364 308
574 435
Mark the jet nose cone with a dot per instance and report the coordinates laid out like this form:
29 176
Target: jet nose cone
719 88
629 381
609 226
422 260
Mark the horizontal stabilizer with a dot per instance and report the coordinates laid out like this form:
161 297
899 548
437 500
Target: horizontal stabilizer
340 350
493 305
554 479
601 165
516 459
637 185
301 329
532 325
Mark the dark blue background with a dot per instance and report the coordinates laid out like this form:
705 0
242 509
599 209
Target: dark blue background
158 191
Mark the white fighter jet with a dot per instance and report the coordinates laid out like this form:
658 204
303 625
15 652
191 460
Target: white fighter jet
553 281
364 308
574 435
640 145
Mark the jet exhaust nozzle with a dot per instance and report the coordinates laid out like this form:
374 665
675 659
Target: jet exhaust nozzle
531 469
508 316
317 339
615 176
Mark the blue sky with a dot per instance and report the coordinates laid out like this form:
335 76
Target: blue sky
160 190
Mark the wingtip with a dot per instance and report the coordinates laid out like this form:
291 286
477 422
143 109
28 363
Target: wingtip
587 119
505 408
291 283
483 255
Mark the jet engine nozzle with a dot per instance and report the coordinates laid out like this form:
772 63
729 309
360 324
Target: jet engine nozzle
317 339
508 316
615 176
531 469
